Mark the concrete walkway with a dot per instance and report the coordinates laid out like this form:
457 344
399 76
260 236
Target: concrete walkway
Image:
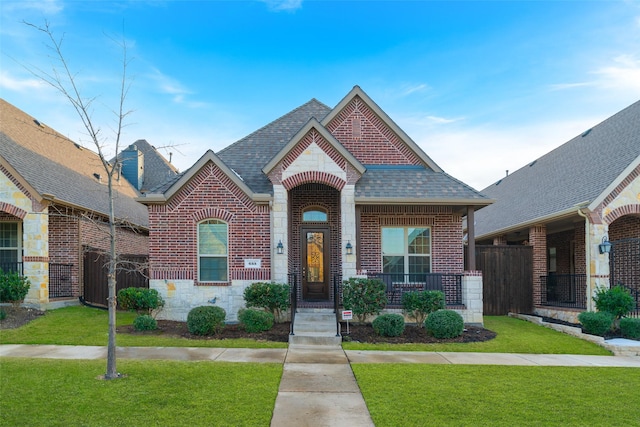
318 387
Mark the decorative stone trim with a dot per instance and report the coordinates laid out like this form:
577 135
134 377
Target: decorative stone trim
12 210
622 211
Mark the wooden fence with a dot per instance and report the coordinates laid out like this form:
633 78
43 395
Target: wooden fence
507 278
132 272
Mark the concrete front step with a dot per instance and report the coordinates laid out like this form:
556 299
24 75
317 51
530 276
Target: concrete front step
315 328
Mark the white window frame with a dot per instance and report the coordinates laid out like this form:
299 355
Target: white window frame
405 254
204 255
17 249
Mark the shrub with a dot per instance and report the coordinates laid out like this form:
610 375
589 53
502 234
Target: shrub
444 324
142 300
13 287
419 304
596 323
3 314
274 297
630 328
255 320
616 300
389 325
206 320
364 296
145 322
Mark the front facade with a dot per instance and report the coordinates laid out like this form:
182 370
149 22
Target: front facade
54 209
582 216
316 197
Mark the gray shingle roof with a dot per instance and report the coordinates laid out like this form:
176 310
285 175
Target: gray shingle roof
248 156
157 170
53 164
576 172
412 182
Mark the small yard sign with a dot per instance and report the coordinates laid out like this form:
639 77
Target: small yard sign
347 315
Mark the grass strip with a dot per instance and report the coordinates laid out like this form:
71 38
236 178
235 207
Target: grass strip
513 336
463 395
36 392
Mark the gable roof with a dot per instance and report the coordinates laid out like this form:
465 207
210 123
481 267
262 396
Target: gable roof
576 174
249 155
314 124
358 92
54 166
157 170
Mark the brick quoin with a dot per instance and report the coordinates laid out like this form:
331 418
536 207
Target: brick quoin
209 195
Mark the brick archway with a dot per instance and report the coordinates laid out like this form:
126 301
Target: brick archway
314 177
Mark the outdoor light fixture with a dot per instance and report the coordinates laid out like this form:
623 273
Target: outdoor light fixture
349 248
280 248
605 246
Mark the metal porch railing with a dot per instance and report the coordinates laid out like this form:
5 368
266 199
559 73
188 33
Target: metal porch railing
564 290
397 284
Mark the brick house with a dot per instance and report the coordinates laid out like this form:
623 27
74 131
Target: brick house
54 207
572 205
317 196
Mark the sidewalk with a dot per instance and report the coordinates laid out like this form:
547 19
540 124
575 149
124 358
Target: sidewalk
279 355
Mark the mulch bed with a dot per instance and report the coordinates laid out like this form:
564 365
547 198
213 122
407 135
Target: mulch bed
280 333
17 317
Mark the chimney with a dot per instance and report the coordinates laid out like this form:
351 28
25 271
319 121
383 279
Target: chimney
133 165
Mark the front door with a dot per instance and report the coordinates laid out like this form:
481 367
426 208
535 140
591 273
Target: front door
315 263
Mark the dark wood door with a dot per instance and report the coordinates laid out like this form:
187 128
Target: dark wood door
315 263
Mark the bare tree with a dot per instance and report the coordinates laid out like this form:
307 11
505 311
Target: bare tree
63 80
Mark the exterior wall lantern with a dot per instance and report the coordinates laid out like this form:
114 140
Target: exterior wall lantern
349 248
280 248
605 246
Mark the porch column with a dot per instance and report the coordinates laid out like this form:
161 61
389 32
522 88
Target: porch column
538 239
597 263
279 233
35 259
471 239
348 230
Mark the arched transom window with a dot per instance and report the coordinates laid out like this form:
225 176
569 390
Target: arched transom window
314 214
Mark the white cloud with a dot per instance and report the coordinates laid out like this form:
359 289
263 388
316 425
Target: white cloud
179 92
415 88
20 85
46 7
286 5
622 74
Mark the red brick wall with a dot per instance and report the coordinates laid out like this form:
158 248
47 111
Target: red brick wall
538 239
562 243
446 233
367 137
209 195
625 227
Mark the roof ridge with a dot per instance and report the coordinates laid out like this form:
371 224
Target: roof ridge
312 100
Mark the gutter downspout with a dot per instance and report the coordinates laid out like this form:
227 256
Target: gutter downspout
587 254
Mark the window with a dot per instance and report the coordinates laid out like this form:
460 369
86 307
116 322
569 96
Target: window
406 250
314 215
10 246
213 246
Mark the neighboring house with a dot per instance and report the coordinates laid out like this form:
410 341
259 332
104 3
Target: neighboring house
54 208
567 205
317 196
144 167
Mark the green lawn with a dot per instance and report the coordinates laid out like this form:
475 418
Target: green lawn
36 392
513 336
464 395
80 325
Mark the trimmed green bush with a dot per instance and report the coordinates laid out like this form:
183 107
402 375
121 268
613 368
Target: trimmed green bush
388 325
140 300
444 324
616 300
630 328
596 323
419 304
3 314
274 297
145 322
255 320
13 287
206 320
364 296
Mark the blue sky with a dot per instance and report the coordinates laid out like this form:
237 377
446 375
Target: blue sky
481 86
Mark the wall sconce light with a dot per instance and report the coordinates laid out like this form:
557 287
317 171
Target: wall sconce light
605 246
280 248
349 248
